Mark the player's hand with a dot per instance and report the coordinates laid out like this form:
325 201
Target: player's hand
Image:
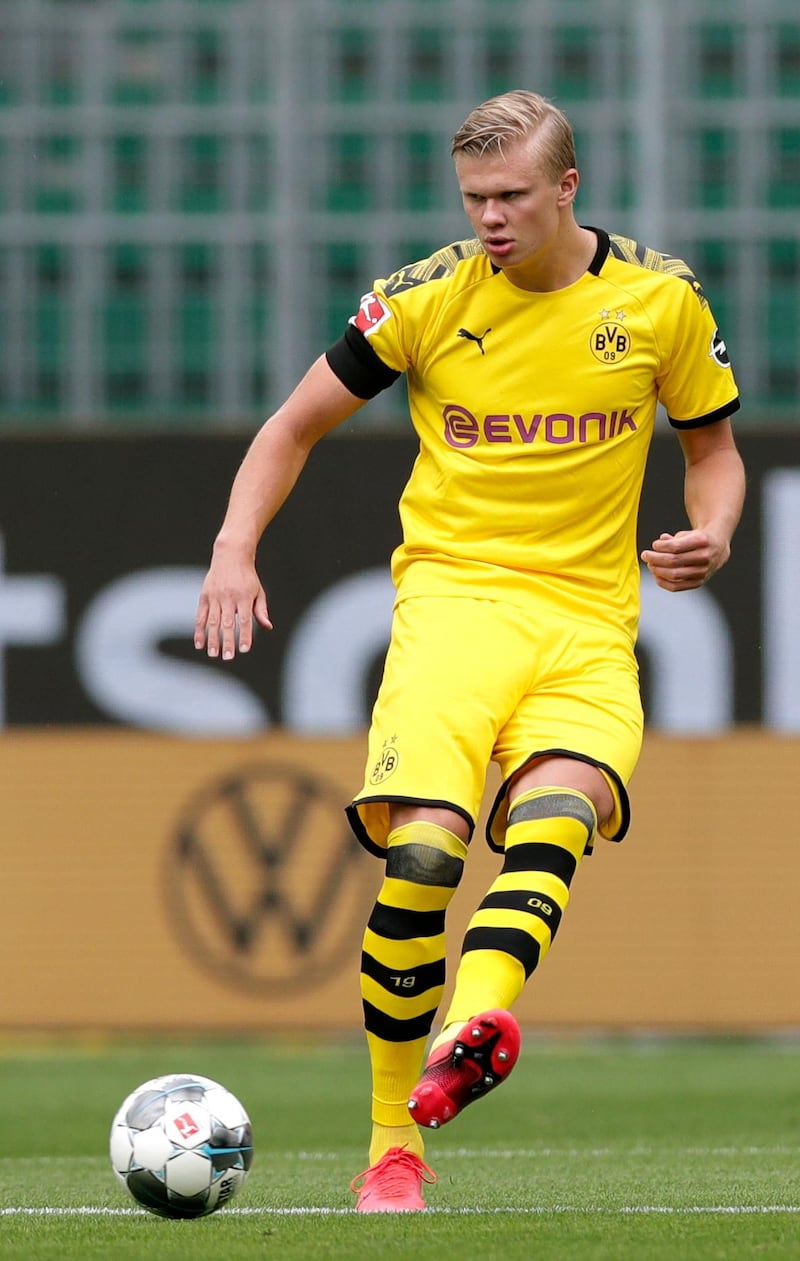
683 561
230 600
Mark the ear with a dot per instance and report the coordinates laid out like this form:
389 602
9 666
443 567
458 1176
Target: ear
568 186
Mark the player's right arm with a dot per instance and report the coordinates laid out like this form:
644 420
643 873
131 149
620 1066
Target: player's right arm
232 594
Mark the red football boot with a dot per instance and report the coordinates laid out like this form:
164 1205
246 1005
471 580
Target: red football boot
478 1058
393 1184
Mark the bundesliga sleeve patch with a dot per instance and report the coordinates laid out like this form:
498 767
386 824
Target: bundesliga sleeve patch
719 350
372 312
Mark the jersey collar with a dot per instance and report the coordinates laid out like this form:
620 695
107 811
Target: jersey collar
601 253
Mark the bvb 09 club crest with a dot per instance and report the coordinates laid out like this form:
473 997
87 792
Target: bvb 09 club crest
386 764
610 340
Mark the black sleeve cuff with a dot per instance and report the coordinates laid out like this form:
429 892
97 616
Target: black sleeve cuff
697 422
357 366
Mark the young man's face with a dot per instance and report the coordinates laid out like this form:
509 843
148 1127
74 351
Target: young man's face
514 207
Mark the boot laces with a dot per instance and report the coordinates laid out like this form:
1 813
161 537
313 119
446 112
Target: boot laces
392 1172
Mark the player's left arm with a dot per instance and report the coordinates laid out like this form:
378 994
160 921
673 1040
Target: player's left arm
714 490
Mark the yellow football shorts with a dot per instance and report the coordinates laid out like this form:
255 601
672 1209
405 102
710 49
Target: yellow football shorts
468 681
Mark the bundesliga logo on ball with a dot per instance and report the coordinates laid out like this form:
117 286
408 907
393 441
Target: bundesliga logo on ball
181 1145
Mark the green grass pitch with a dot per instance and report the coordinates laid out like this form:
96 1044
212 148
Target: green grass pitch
609 1150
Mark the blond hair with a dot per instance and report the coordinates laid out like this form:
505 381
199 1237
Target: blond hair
513 117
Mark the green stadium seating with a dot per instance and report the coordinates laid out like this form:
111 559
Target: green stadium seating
194 193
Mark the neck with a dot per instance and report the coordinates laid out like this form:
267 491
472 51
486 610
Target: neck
560 264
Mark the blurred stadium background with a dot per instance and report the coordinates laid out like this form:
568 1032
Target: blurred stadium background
194 194
195 190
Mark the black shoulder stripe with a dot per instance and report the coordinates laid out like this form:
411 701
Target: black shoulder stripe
440 265
357 366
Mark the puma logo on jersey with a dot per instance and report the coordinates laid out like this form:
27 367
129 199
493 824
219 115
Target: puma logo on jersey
473 337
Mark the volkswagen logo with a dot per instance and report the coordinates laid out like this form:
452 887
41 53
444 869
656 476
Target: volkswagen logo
265 883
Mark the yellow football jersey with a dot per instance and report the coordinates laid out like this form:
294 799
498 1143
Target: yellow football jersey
535 413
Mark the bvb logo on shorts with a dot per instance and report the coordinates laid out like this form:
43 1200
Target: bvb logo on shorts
386 764
609 341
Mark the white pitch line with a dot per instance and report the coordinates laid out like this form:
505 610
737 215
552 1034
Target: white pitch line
535 1153
540 1210
538 1153
505 1153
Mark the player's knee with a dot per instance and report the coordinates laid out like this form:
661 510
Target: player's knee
425 853
421 863
554 803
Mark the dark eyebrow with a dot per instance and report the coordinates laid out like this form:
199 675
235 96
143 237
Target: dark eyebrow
504 192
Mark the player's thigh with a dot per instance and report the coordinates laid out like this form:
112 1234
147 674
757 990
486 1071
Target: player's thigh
588 708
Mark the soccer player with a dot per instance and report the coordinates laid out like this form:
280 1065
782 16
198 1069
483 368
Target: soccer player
535 355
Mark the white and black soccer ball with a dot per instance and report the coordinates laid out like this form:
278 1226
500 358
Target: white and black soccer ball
181 1145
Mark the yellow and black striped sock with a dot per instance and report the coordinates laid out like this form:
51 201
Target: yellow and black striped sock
548 832
403 971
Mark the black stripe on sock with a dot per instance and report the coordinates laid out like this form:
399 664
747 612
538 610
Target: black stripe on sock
392 1030
538 904
417 980
511 941
398 923
541 856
